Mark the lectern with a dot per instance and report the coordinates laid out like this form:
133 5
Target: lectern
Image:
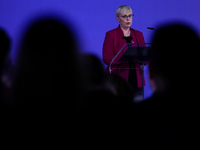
129 53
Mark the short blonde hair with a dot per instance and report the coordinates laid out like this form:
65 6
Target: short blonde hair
122 8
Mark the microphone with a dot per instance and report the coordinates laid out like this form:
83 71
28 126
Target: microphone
151 28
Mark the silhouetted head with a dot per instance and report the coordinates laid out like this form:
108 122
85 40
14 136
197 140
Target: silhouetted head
4 47
174 55
48 38
47 63
4 51
119 87
92 71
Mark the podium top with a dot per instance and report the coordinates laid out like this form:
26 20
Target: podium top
133 52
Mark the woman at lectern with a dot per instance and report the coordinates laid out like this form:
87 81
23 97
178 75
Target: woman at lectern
114 40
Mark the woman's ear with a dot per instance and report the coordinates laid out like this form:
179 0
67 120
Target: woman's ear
117 18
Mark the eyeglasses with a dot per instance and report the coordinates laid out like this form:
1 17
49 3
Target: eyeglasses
126 17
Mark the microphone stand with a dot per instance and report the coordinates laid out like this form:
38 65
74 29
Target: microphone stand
142 68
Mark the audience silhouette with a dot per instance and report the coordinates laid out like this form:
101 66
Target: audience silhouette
4 46
46 86
4 51
169 118
47 66
105 105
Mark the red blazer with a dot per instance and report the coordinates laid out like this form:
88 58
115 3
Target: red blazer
112 44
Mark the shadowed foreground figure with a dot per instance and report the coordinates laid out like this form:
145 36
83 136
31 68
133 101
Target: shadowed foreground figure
46 87
4 47
104 108
169 119
5 44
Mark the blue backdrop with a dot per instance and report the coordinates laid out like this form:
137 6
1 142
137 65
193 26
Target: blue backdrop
92 19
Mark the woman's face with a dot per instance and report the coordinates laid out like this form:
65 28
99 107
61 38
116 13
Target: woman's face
125 19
